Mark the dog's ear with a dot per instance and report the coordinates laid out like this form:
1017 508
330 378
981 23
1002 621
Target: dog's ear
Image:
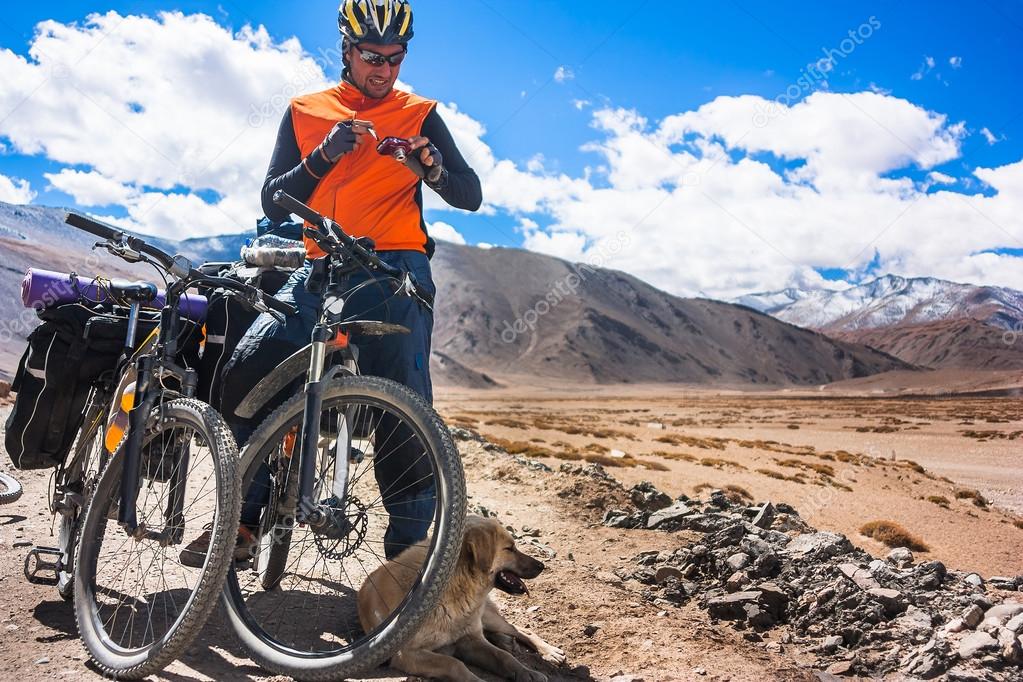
479 547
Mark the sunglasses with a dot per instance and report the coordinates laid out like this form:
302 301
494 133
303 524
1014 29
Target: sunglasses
375 59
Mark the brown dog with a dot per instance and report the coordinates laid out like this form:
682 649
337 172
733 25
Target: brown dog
488 560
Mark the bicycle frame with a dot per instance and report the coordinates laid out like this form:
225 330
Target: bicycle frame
332 304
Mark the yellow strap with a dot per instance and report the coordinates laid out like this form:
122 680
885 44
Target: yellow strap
408 20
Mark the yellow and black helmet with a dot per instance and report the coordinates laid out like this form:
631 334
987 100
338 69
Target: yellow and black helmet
382 22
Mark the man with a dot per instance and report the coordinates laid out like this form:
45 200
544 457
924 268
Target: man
325 156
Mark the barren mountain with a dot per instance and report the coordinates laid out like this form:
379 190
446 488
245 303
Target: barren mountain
507 312
512 312
952 344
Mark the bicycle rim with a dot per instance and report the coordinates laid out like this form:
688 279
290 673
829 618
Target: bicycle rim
136 604
308 625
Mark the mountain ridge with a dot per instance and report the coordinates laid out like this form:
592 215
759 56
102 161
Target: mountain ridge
603 327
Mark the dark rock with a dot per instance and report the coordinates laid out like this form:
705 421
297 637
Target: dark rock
591 629
669 516
648 498
664 573
900 557
647 558
819 545
731 607
616 518
973 616
739 561
892 600
765 518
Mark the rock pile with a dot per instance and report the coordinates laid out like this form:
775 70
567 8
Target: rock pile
762 567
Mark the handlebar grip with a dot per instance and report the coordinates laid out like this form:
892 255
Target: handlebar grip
290 203
280 306
93 227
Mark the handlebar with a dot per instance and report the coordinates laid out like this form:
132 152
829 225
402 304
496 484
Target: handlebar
329 236
112 234
175 265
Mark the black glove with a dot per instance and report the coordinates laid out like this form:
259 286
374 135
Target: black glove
339 141
436 171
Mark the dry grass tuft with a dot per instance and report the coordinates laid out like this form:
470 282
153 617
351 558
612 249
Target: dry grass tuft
939 500
701 487
892 534
693 441
737 494
972 495
680 456
721 463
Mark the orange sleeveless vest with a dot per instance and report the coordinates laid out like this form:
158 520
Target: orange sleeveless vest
368 195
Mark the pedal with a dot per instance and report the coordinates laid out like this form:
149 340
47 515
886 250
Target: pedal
36 564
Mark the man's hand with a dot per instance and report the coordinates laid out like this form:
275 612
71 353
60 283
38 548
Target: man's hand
430 157
345 137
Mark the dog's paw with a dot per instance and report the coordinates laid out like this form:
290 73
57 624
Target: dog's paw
527 675
553 654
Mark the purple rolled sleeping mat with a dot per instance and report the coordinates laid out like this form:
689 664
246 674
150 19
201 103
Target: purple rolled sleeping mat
43 289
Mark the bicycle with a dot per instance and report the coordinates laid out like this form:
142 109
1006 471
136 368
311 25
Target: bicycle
10 489
320 535
168 471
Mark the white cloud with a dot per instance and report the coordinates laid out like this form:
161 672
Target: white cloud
563 73
15 190
925 68
955 62
938 178
448 233
165 103
701 201
92 188
989 136
580 104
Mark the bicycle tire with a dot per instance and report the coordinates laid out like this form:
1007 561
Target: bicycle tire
127 663
10 489
272 572
446 540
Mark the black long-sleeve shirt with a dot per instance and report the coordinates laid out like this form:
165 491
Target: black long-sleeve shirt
286 172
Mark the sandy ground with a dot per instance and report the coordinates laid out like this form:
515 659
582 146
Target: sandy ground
736 434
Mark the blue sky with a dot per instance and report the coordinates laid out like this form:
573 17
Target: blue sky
497 60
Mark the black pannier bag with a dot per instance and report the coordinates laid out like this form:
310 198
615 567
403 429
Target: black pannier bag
227 320
74 349
67 354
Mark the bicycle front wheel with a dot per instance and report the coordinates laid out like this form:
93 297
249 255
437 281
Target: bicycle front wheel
387 476
137 605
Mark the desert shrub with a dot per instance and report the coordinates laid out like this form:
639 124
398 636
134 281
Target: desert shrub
720 463
773 474
892 534
705 443
1018 523
680 456
737 494
939 500
972 495
653 465
701 487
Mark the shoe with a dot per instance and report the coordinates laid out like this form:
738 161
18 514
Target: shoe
194 554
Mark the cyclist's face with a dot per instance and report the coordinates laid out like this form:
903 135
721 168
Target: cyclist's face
374 81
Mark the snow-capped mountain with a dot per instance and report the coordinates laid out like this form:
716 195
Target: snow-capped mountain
892 301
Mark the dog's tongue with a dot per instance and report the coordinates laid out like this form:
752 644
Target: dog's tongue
510 583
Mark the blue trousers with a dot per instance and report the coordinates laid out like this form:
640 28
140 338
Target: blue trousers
403 358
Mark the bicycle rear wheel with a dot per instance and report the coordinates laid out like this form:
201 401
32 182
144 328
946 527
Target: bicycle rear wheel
137 606
402 467
10 489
